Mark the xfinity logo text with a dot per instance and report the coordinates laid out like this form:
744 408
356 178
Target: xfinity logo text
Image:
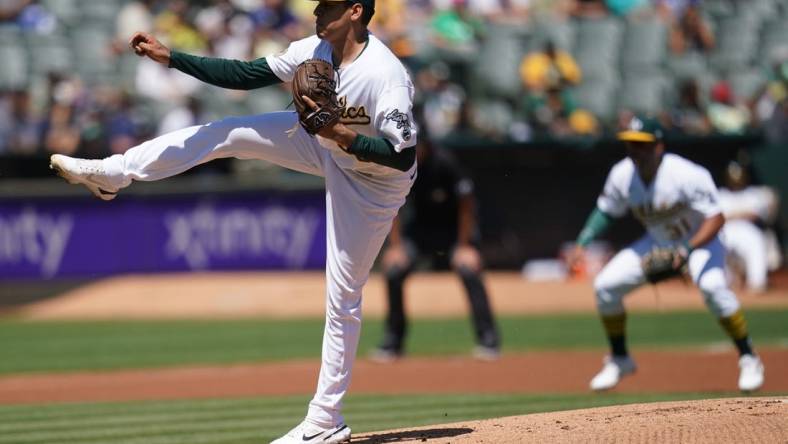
207 233
32 238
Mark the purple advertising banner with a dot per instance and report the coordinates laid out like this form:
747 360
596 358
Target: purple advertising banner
44 239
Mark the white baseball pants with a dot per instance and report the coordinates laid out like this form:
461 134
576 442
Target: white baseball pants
748 242
624 273
359 212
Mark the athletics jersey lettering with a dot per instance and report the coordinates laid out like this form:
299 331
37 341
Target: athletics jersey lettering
648 213
353 115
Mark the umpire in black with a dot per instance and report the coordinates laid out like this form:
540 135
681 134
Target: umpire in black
436 227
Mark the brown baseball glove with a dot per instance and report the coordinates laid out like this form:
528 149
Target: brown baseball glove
315 79
663 263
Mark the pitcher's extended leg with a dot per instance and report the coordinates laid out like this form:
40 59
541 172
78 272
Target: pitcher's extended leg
261 136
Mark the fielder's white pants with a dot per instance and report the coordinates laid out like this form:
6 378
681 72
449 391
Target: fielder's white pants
359 212
748 242
624 273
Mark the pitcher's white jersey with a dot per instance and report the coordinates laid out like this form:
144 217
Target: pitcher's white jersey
672 207
375 89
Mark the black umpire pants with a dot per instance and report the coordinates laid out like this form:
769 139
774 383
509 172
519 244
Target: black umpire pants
396 325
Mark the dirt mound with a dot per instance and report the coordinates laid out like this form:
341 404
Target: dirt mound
734 420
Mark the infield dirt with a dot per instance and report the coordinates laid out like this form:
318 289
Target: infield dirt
288 295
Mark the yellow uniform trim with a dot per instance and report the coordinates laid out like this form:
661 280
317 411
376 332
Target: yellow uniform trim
735 325
636 136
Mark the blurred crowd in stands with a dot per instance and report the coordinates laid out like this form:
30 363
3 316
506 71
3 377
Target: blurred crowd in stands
507 70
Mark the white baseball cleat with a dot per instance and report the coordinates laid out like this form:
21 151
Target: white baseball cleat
89 173
615 367
307 432
750 373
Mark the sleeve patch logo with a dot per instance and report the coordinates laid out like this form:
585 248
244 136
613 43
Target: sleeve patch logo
403 122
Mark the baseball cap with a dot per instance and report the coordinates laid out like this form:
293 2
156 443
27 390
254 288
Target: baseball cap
641 129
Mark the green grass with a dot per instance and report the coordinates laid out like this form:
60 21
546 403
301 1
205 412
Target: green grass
70 346
256 420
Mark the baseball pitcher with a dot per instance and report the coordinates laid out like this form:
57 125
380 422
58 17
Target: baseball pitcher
353 126
677 202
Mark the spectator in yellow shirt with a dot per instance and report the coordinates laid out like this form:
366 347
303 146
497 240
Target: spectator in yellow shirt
547 67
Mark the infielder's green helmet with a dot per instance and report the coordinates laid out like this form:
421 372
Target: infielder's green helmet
641 129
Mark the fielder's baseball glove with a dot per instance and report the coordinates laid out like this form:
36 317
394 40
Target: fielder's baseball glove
314 78
664 263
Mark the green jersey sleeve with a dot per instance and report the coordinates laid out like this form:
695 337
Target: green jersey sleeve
225 73
381 151
598 222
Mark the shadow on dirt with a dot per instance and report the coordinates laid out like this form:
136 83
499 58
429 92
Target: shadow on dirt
410 435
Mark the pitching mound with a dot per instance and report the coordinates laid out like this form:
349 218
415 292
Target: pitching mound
735 420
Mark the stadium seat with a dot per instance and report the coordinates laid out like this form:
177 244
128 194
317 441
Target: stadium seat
746 83
765 9
92 51
66 11
774 40
782 8
736 43
717 9
560 32
99 12
127 68
49 53
596 48
644 93
267 100
752 9
644 45
497 67
218 100
9 33
689 65
597 97
14 69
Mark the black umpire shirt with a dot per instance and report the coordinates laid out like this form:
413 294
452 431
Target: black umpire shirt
434 201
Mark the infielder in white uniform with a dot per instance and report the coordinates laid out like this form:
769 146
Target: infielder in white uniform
362 196
676 200
747 210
